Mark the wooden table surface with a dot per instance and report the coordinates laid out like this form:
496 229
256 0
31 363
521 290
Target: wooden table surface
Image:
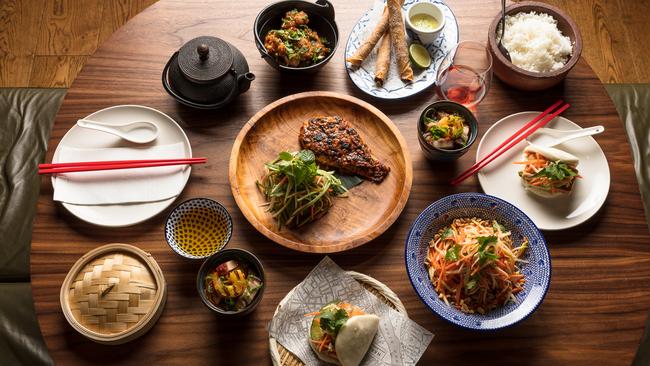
594 312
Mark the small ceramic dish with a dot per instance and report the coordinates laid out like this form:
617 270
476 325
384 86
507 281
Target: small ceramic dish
198 228
536 268
429 35
242 256
437 154
321 20
519 78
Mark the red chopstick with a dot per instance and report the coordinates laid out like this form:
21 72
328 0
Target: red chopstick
115 165
513 140
114 162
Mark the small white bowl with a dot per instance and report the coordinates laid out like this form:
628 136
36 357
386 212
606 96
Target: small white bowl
425 37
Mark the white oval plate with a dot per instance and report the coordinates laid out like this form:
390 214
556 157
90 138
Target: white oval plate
123 214
500 177
364 77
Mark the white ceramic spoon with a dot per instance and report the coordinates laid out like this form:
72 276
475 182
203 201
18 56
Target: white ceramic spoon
549 137
139 132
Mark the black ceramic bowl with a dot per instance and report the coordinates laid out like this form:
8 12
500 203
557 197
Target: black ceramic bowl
436 154
321 19
220 257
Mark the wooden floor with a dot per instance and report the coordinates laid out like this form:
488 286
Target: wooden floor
44 43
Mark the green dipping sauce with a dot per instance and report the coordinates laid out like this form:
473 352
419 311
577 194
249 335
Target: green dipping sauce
425 22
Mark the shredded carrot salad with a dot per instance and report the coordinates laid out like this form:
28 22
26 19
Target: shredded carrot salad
473 265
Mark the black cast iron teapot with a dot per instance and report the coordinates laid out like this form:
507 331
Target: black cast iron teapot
207 73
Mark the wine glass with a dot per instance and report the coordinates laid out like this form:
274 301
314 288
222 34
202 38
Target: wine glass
465 74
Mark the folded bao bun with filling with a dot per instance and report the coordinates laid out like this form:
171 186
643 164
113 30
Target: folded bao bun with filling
548 172
341 333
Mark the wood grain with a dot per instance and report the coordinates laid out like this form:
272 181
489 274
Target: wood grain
15 70
69 27
367 211
118 12
634 21
612 33
595 310
55 71
16 43
17 17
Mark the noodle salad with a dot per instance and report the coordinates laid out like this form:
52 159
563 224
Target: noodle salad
472 264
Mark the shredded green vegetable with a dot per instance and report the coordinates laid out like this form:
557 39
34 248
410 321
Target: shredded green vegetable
296 190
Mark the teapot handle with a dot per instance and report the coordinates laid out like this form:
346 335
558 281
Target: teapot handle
328 9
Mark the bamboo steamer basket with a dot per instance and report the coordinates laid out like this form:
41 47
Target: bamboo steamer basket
113 294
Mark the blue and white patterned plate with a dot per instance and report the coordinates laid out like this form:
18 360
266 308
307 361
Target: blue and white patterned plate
363 77
537 271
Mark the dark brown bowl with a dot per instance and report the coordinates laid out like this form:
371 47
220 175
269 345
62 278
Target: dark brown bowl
433 153
528 80
222 257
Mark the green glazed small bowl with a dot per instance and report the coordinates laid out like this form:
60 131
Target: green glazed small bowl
435 154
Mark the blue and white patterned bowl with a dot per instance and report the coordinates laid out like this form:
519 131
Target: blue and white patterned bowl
198 228
537 271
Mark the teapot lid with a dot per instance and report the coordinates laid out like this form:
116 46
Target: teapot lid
205 59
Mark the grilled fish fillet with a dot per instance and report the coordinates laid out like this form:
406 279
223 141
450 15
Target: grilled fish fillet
339 146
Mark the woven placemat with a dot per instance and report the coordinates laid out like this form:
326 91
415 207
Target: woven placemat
280 356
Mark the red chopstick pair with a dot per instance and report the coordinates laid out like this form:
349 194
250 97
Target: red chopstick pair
540 121
87 166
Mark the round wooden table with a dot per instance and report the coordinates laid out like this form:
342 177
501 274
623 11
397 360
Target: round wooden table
600 290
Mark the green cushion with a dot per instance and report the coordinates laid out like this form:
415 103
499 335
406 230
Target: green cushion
20 337
633 104
27 115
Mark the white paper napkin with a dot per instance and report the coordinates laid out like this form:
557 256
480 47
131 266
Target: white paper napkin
120 186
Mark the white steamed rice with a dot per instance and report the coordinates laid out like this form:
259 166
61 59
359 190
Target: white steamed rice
535 43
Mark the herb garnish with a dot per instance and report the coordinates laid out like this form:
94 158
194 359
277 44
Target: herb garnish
452 253
438 132
556 170
498 227
484 253
332 320
448 232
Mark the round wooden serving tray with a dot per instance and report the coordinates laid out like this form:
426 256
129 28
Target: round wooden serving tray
280 356
369 208
113 294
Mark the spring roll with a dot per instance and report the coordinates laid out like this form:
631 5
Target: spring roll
364 50
382 65
398 38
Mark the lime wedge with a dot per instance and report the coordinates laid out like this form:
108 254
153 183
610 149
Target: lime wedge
419 55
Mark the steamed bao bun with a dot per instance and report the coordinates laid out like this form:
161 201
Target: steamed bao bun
551 154
352 340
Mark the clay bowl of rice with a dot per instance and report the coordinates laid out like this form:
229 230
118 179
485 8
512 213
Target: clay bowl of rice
543 42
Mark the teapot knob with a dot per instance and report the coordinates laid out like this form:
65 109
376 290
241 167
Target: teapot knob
203 50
